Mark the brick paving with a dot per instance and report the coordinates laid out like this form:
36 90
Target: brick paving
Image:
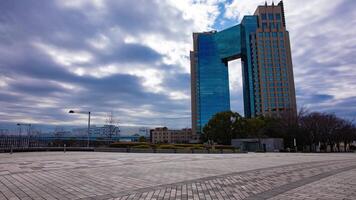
98 175
339 186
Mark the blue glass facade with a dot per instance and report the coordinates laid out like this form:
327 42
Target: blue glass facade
213 80
214 50
262 44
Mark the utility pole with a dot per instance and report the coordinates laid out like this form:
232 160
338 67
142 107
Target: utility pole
84 112
28 131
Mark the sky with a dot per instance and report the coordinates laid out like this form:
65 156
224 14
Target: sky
131 58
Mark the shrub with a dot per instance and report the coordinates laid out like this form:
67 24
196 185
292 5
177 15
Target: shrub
142 146
260 151
224 147
183 145
197 147
127 144
168 146
192 146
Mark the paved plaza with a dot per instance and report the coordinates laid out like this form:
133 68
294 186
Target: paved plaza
98 175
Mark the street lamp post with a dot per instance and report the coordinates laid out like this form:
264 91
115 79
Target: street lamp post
28 132
88 128
84 112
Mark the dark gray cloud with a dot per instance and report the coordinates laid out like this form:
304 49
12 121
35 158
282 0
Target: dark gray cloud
314 98
131 57
130 53
323 42
322 45
44 42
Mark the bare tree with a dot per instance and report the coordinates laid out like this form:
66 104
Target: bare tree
326 129
112 126
346 133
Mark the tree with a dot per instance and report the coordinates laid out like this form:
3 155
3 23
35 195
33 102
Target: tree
112 126
325 129
222 127
310 124
309 129
142 139
254 127
346 133
286 126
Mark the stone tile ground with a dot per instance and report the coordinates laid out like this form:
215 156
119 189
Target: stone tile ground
98 175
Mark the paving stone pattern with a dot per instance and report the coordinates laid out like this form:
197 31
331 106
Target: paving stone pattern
97 175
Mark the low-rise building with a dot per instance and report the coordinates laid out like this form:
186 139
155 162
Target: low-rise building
255 144
165 135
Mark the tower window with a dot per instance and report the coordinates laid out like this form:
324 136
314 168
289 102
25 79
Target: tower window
264 16
264 26
270 16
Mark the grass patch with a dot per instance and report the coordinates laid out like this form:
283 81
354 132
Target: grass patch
142 146
168 146
145 145
127 144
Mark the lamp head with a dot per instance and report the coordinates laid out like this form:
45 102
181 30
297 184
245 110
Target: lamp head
71 111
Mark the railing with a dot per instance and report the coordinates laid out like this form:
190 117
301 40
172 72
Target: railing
122 150
11 144
38 149
151 150
7 142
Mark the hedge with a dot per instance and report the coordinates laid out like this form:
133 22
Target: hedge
142 146
224 147
127 144
168 146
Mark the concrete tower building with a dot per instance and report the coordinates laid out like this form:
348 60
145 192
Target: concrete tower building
261 41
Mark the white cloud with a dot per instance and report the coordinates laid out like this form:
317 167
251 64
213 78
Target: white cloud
178 95
152 79
79 4
100 42
322 46
4 81
203 13
238 8
64 56
321 40
201 16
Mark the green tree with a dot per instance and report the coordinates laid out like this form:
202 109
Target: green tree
223 127
142 139
255 128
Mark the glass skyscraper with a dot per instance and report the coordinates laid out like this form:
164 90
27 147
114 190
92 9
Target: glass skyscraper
261 41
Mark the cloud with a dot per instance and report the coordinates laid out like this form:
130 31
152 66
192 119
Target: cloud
100 56
322 54
134 60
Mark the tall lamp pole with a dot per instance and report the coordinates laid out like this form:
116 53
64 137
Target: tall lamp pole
28 131
84 112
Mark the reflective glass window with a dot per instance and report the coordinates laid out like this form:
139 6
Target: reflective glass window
270 16
263 16
264 26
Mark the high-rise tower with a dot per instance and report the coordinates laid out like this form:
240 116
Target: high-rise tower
262 42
